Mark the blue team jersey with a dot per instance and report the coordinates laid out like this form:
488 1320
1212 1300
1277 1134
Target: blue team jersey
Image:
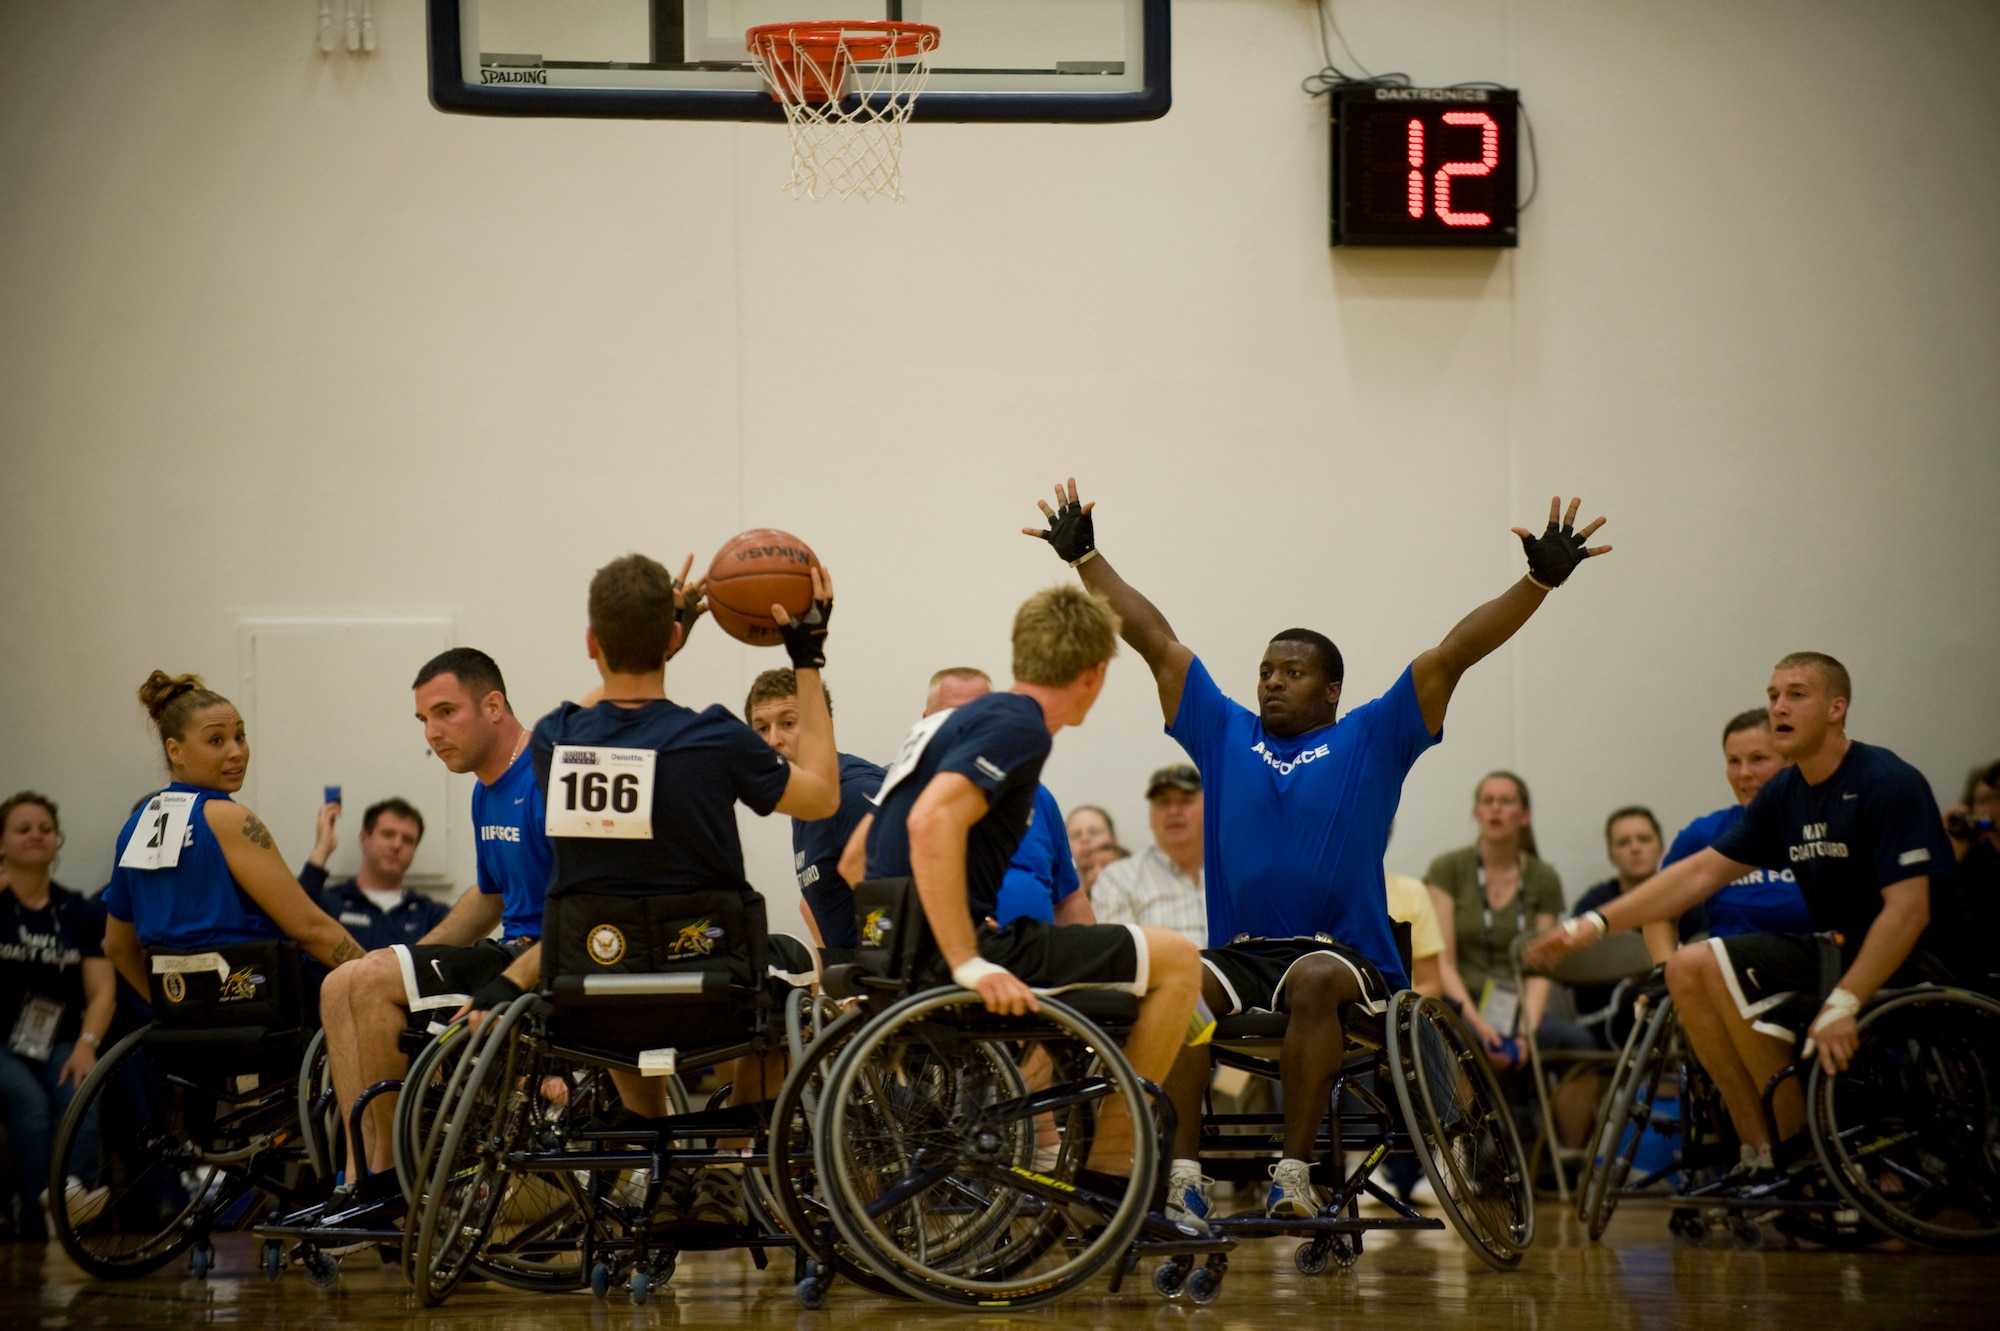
1763 901
998 743
1871 824
196 903
1296 828
512 851
1041 873
704 764
816 848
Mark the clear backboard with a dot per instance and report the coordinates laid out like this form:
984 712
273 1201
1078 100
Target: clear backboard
1030 60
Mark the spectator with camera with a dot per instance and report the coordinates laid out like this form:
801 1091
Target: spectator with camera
374 905
1973 825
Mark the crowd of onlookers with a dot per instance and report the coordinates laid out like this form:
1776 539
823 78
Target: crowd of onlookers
1464 916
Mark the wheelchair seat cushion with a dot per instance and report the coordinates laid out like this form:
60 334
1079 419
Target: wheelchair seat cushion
1254 971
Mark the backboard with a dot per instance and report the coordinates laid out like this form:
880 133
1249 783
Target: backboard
1023 60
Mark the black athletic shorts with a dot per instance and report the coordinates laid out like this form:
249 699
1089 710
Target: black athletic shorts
1779 981
1050 958
436 976
1253 971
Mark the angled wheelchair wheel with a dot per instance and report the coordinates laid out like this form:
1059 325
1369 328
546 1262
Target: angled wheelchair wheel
320 1131
927 1148
798 1200
535 1240
1624 1116
485 1114
1464 1135
1910 1133
175 1158
423 1091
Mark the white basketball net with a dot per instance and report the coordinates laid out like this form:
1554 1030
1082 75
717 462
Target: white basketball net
852 145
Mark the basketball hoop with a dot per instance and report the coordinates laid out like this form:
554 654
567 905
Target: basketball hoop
852 144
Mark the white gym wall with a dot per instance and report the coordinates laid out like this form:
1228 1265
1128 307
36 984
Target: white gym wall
280 341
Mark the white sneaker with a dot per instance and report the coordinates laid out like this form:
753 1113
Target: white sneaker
1293 1196
1188 1200
85 1204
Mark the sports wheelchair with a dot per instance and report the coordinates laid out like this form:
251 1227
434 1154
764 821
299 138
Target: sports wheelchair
1904 1144
533 1171
1413 1080
200 1113
926 1147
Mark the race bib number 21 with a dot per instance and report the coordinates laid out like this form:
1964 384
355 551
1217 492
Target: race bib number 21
601 792
157 840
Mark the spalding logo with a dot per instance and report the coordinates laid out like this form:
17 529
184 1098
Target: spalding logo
606 945
698 938
176 988
875 928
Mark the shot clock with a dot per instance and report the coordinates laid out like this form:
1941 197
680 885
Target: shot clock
1424 166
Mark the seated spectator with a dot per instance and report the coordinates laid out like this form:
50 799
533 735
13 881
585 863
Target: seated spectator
1162 886
1089 829
1487 895
1974 828
57 994
374 905
1761 901
1633 844
1094 862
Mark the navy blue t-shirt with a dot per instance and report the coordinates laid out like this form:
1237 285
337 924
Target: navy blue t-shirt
816 848
512 854
1872 823
1295 829
704 763
1763 901
1041 872
999 743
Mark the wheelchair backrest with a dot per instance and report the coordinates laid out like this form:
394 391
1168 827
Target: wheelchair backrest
655 933
895 935
234 985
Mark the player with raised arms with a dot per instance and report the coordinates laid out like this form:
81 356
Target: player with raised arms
1296 821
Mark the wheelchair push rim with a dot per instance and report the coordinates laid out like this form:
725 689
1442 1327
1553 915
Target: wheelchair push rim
1462 1129
908 1132
1910 1133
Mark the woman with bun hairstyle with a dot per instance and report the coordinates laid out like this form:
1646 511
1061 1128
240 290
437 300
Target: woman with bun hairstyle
204 871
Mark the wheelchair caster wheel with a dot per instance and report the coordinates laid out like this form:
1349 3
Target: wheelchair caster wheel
201 1263
321 1269
811 1292
1204 1283
1346 1250
274 1259
1311 1259
1171 1277
641 1287
1689 1227
600 1280
1747 1231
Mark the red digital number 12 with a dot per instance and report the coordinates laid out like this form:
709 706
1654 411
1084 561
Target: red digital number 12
1489 157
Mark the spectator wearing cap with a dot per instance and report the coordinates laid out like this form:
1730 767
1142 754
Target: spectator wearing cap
374 905
1163 885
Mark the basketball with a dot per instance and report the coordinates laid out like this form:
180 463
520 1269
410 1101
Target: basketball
751 573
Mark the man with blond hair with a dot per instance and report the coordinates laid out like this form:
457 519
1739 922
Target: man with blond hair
954 806
1861 831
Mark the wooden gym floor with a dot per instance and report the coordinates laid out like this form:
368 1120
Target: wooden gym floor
1638 1279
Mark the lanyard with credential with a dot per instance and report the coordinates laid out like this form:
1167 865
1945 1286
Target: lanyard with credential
1520 905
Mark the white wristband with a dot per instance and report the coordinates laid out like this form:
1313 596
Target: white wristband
1839 1005
968 974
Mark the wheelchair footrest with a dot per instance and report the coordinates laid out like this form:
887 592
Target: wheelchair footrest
1257 1225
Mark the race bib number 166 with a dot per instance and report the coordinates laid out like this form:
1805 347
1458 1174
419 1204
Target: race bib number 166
601 792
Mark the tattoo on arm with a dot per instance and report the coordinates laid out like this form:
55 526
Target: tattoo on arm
256 833
345 950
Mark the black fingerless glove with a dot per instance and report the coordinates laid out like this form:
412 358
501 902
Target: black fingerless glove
1072 534
497 992
1554 555
805 637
